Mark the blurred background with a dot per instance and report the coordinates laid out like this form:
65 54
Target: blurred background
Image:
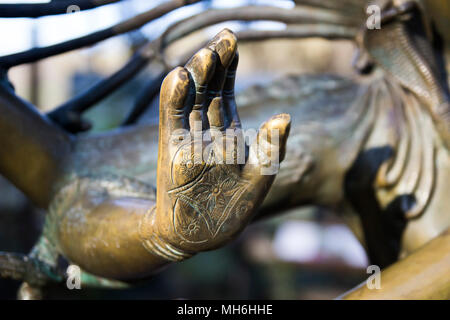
303 254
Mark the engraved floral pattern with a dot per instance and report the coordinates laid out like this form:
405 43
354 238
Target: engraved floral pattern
214 196
186 163
216 190
186 166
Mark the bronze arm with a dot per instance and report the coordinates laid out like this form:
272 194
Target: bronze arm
424 275
33 150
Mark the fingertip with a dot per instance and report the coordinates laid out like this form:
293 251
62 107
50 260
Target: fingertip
175 89
280 122
177 78
225 44
216 103
202 66
226 31
215 114
276 131
225 34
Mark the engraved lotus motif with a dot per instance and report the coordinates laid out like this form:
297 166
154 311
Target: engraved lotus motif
215 192
213 196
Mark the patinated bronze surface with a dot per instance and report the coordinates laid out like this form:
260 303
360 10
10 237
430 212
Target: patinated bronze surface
201 203
374 148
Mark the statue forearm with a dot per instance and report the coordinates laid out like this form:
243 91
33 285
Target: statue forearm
96 223
106 241
33 151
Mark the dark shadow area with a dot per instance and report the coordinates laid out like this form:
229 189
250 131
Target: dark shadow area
383 228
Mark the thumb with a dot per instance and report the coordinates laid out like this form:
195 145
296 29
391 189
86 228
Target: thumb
269 148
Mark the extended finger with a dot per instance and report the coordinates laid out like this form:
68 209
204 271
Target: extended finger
269 148
201 67
224 44
229 100
174 92
215 114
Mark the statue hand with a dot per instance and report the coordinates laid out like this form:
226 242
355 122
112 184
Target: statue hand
209 184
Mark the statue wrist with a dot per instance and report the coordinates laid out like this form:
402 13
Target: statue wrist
158 245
